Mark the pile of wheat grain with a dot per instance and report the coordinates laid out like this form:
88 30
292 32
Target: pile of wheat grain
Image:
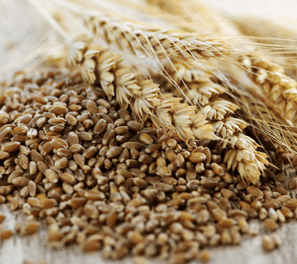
149 165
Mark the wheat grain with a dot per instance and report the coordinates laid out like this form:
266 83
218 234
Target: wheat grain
126 207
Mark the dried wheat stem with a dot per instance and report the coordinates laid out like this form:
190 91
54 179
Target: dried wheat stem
143 96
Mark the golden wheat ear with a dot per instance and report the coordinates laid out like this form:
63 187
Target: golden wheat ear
275 85
213 101
276 40
142 95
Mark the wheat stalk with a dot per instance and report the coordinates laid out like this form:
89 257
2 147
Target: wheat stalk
143 96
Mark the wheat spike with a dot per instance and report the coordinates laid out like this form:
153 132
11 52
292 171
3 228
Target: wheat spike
146 41
143 96
243 156
277 86
273 39
213 101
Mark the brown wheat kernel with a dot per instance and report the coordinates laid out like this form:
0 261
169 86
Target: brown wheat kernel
268 243
29 228
20 181
51 176
77 202
10 146
179 160
209 182
100 126
2 218
108 136
3 155
270 224
42 167
47 203
287 212
54 233
163 171
217 169
68 178
146 138
132 145
113 152
59 143
84 136
61 163
36 157
58 109
291 204
280 216
171 143
292 183
134 125
5 234
276 239
204 256
228 193
121 130
255 191
197 157
152 148
4 117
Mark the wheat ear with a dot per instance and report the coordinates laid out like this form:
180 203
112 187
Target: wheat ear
276 41
144 40
277 86
143 96
211 98
213 101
